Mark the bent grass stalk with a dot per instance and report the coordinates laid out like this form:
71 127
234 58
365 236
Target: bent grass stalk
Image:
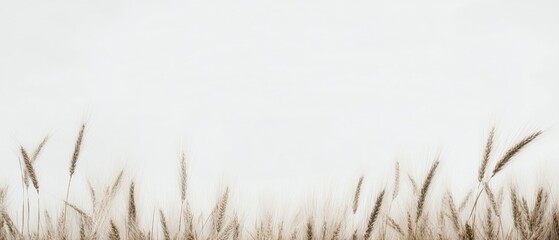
31 171
511 152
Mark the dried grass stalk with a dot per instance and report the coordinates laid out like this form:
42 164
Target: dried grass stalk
310 230
183 176
425 189
221 209
356 195
518 219
486 155
373 216
513 151
114 235
465 201
30 169
453 212
396 180
489 226
77 148
166 233
131 205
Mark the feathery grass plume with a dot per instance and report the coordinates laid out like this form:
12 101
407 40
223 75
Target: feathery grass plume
537 234
413 183
425 188
517 214
373 216
513 151
310 229
166 234
237 230
525 209
489 225
33 159
38 149
280 231
486 155
29 168
492 200
396 180
324 229
555 224
356 195
465 201
12 229
336 233
394 225
227 232
133 230
49 226
114 235
77 149
88 219
441 216
453 212
183 177
538 211
92 194
72 168
190 234
221 209
469 233
294 234
411 234
116 184
61 232
131 205
82 231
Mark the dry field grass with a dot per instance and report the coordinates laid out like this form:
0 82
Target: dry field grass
487 212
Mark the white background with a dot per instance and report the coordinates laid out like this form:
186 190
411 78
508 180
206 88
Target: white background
280 100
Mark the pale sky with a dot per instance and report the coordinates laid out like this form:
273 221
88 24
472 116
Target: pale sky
276 99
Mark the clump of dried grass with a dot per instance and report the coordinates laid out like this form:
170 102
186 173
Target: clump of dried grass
530 217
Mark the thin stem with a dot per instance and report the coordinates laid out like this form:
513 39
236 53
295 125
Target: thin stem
152 222
66 205
38 215
477 199
22 197
180 216
22 211
28 213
